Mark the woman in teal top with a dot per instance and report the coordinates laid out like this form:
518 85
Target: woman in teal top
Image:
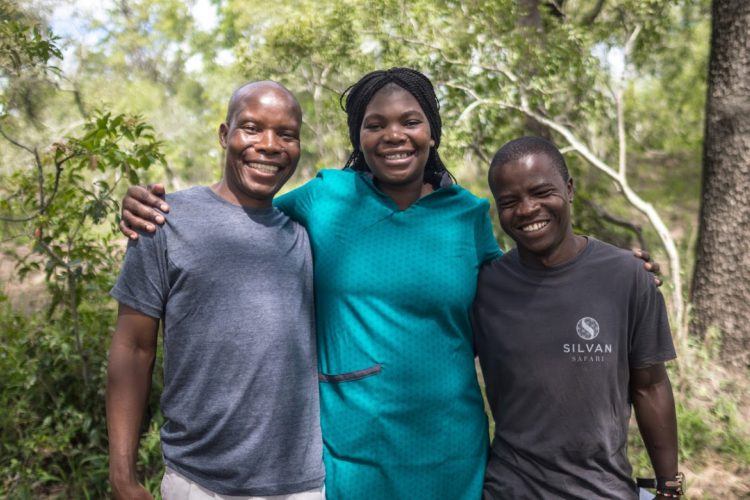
397 247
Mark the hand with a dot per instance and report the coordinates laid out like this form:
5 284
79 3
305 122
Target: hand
130 491
138 209
653 267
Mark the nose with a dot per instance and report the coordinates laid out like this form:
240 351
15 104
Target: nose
268 143
527 206
394 134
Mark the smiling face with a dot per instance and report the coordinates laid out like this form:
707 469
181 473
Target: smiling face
533 203
395 138
261 138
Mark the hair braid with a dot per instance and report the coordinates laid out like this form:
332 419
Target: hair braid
355 99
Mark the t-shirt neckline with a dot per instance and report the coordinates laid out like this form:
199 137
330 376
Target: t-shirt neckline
560 268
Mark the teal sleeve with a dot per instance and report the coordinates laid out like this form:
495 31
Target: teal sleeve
298 202
487 247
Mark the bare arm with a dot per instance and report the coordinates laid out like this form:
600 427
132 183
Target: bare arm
131 362
138 209
653 402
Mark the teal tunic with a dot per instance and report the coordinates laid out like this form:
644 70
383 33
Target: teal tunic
401 411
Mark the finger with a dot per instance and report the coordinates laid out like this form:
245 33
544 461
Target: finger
642 254
144 196
138 210
136 222
124 229
654 267
157 189
657 281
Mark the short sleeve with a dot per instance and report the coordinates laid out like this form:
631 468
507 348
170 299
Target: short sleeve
486 244
297 203
142 284
651 338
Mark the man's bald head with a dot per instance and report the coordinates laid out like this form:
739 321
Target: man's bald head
258 90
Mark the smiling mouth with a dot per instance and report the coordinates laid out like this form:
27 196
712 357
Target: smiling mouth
397 156
263 167
534 226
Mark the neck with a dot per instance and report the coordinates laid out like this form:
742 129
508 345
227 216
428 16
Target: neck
568 249
235 196
405 195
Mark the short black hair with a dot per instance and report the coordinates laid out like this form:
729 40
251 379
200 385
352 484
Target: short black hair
525 146
355 99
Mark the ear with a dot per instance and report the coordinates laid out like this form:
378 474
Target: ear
223 130
571 190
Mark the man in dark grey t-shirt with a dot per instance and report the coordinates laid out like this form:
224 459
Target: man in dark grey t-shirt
230 277
569 331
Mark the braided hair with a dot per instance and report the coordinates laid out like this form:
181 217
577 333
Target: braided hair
355 99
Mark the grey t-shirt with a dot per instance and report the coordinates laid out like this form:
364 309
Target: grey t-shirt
556 348
233 286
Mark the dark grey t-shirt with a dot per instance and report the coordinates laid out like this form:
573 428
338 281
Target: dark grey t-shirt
556 348
233 286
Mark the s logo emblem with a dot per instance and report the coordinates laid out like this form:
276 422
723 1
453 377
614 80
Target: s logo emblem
587 328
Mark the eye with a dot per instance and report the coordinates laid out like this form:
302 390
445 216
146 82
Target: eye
250 128
505 202
543 193
413 123
371 126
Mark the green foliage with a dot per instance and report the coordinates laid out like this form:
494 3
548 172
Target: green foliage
62 199
709 420
68 197
52 427
54 433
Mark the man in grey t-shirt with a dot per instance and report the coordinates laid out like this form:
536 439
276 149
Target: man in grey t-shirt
569 331
230 277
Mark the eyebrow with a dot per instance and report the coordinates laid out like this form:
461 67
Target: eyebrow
403 114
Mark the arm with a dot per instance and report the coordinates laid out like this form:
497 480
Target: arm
653 402
131 363
139 204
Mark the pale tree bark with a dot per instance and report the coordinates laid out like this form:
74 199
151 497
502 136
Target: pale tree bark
721 282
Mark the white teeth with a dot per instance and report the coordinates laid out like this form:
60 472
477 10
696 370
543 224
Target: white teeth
397 156
269 169
534 227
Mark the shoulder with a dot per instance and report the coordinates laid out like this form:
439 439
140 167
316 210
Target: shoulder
331 177
468 198
618 257
619 264
462 201
325 181
183 199
187 194
280 219
504 265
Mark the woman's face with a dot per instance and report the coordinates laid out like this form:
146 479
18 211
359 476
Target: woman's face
395 138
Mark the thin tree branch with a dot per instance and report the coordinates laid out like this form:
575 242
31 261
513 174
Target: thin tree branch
593 13
618 221
16 143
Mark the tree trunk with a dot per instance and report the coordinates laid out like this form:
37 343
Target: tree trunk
721 282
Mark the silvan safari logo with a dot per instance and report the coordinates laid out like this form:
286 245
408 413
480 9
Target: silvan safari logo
587 352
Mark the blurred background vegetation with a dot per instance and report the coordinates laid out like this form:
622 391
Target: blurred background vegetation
96 95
